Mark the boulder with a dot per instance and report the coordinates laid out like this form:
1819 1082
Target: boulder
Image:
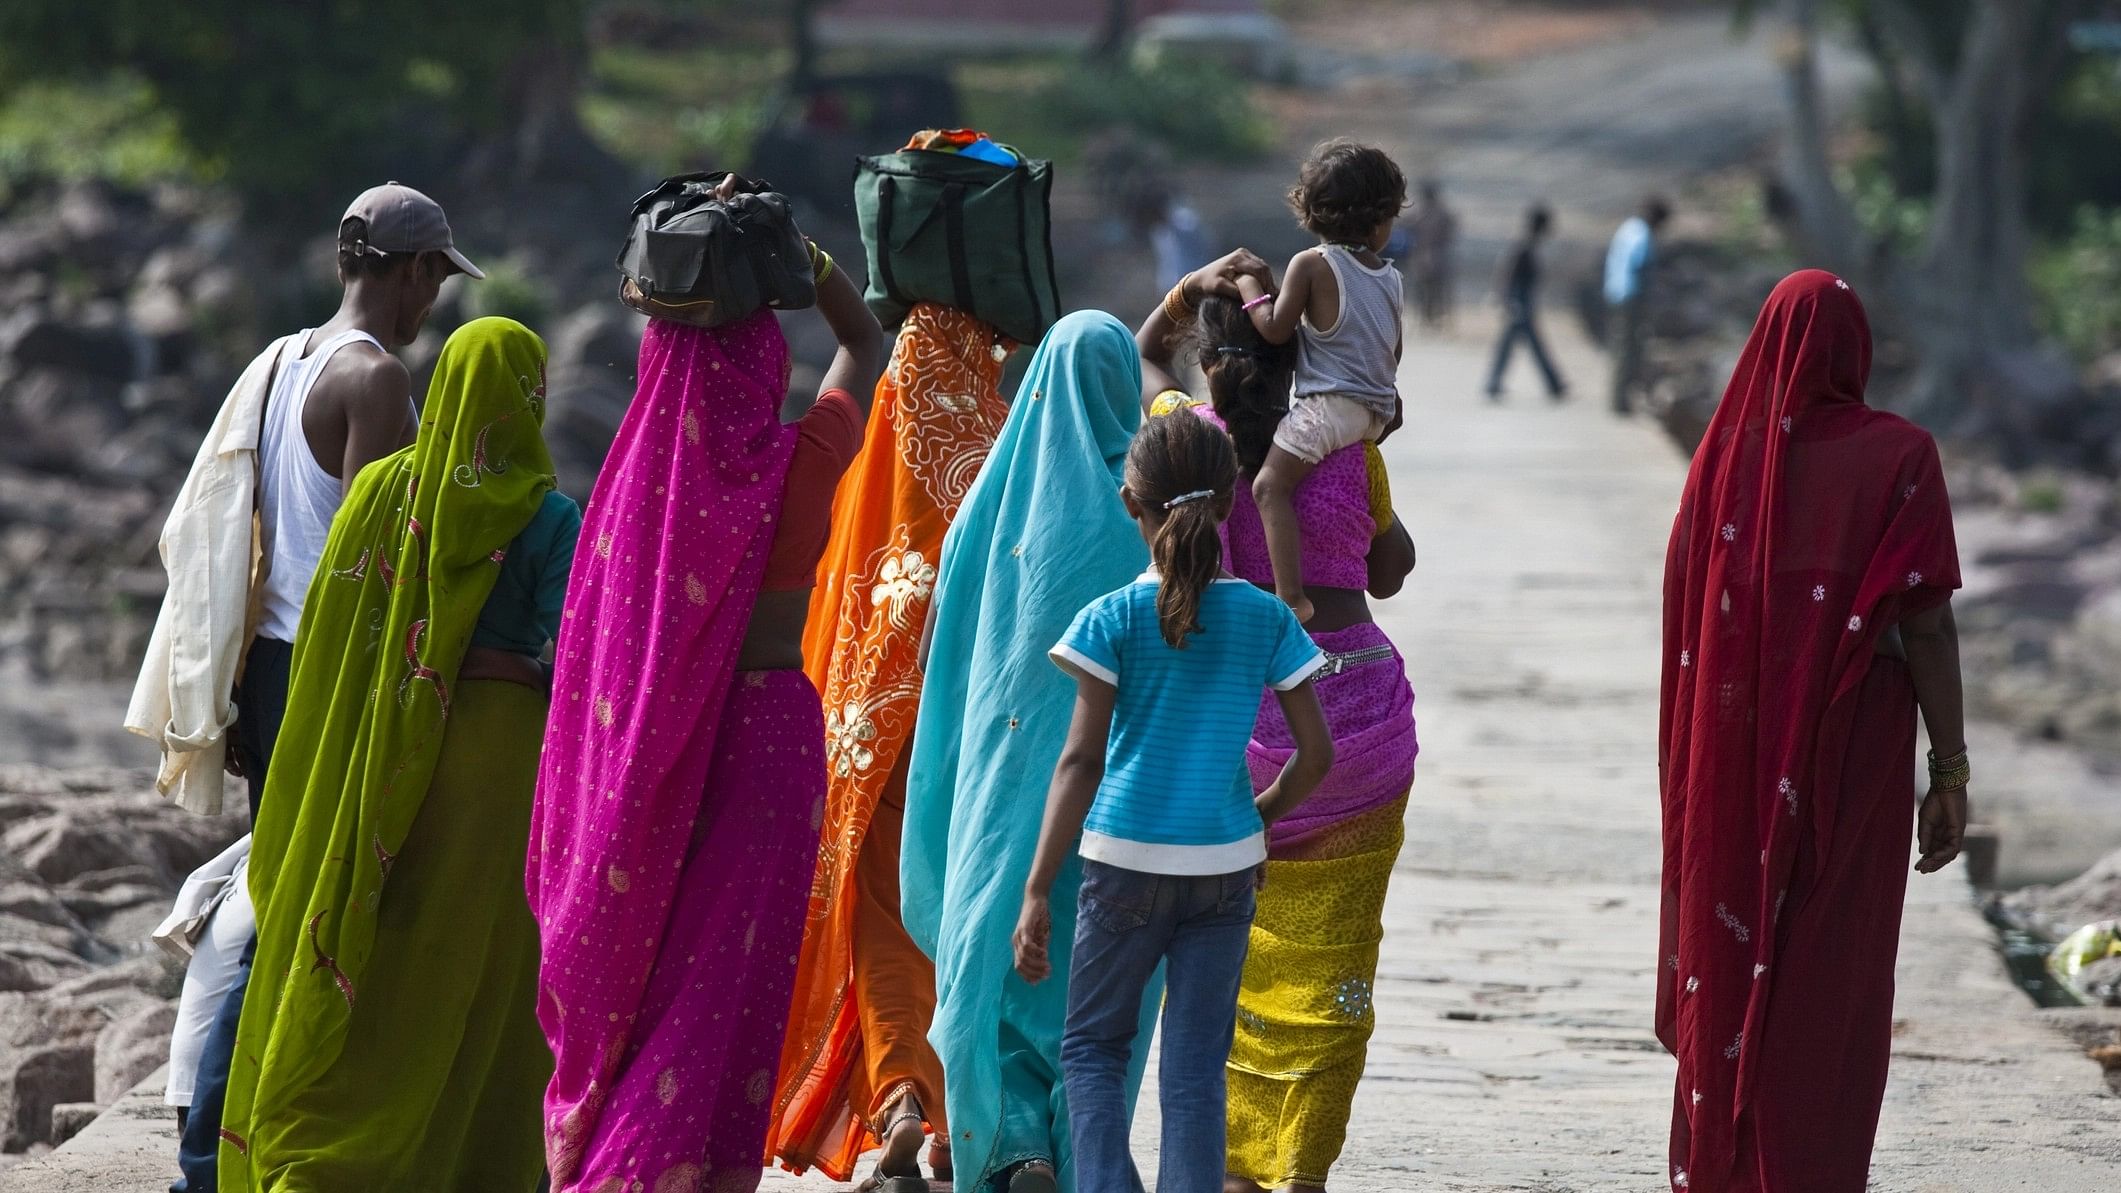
47 1056
2054 912
132 1047
70 1118
38 337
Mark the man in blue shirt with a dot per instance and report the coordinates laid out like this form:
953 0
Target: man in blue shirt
1628 267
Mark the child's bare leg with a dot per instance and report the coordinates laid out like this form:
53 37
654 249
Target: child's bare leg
1274 491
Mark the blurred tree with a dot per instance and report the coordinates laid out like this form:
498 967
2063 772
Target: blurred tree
1113 31
306 97
1972 77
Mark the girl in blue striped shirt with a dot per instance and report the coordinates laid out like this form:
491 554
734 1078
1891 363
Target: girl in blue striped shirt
1169 672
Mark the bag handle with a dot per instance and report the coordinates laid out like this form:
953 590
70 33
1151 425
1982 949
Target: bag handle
886 201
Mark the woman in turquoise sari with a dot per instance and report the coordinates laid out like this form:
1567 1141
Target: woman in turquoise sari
1041 534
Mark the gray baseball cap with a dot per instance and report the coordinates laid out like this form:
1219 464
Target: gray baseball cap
402 220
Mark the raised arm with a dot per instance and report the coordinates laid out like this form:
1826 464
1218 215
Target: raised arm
1156 340
1931 639
1277 319
860 359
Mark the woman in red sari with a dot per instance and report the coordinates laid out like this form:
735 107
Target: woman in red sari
1806 618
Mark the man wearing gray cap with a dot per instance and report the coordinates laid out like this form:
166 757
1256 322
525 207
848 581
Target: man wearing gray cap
312 411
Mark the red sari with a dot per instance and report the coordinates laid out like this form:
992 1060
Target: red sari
1810 524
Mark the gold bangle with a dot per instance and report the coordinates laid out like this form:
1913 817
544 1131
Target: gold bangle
820 262
1176 308
1950 773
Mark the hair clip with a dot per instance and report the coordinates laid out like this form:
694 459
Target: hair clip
1183 498
1234 350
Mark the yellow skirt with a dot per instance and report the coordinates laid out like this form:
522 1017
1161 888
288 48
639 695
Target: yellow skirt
1304 1013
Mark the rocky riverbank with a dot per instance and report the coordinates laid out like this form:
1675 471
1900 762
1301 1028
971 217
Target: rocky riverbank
89 861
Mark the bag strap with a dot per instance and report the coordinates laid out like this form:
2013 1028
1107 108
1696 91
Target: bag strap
886 202
954 236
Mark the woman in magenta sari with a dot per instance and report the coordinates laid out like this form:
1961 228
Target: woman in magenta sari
678 802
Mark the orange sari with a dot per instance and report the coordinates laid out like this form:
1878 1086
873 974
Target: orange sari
864 994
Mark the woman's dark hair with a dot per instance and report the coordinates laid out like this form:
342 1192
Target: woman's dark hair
1184 468
1248 378
1346 190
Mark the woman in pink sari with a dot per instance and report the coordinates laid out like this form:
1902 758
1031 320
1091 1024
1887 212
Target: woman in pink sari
675 831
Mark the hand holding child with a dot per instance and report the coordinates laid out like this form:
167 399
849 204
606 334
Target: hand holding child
1034 927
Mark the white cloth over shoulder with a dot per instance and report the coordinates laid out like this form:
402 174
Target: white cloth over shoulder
208 546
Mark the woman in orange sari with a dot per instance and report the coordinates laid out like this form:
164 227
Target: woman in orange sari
857 1068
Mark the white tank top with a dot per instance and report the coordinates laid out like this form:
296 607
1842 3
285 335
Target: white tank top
296 496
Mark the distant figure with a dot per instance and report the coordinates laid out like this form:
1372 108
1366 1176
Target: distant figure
1807 618
1435 235
1628 264
1520 303
1179 239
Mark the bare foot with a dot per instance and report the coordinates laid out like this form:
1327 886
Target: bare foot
939 1166
1238 1184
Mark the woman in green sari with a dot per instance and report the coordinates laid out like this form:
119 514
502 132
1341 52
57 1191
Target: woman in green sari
389 1039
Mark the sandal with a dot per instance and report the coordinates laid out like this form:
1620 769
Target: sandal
1033 1176
878 1182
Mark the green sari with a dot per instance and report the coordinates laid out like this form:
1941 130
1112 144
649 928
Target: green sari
365 1057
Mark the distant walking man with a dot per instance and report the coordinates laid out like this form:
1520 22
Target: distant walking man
307 415
1435 237
1520 305
1629 261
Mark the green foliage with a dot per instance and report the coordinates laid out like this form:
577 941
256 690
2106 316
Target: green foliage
675 109
2078 284
1197 111
108 129
1898 219
510 291
292 100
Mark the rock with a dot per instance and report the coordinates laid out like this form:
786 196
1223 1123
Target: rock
37 1080
2101 982
69 1118
2056 911
589 383
63 415
35 965
131 1048
37 337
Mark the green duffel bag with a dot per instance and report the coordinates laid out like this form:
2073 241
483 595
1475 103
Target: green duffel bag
971 234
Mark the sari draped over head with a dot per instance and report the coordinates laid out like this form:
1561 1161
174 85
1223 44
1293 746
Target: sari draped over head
674 545
1809 525
1041 534
412 556
938 408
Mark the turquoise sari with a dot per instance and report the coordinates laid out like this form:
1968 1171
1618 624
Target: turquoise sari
1041 534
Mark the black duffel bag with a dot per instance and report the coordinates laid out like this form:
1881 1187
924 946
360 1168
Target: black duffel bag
705 261
960 231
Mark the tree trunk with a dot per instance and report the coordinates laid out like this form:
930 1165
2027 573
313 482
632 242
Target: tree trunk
1112 35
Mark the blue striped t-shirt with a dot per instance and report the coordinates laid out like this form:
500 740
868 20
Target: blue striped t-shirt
1176 797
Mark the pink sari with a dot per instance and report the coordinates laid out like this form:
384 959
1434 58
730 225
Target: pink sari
663 780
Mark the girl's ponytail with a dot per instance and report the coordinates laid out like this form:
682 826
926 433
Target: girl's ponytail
1186 469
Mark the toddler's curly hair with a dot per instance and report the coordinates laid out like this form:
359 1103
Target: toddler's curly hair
1346 190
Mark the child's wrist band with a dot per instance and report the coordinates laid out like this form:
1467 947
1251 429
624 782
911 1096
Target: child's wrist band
1264 298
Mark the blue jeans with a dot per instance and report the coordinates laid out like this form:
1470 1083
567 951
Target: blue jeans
261 704
1129 923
